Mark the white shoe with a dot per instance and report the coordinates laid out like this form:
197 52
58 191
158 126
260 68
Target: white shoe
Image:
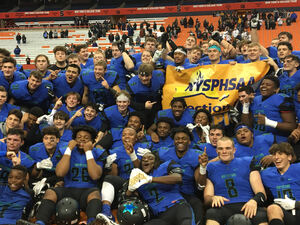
104 220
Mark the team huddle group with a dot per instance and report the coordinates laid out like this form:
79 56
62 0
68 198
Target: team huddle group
84 135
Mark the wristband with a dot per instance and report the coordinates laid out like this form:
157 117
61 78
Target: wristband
270 123
133 156
246 107
68 151
202 170
259 198
89 155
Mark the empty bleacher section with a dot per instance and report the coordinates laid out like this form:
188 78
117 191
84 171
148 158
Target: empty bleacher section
103 4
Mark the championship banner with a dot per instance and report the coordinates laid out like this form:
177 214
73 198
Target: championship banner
211 87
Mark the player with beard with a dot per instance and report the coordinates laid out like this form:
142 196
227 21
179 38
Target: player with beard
270 112
81 167
179 113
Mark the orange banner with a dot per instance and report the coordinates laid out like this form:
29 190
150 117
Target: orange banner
212 87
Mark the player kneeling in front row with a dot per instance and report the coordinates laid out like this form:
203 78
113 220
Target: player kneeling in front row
158 187
81 166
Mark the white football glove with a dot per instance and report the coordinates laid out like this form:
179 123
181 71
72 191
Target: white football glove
191 126
157 55
205 129
109 160
142 151
286 203
137 179
38 186
45 119
45 164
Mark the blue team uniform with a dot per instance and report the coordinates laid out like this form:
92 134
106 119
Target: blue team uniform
138 58
117 65
97 92
116 121
70 113
142 93
288 84
167 142
225 176
115 118
196 139
189 162
19 91
160 197
67 136
6 107
62 87
210 150
285 184
6 164
38 153
260 147
95 123
89 63
239 58
16 77
271 108
297 107
77 176
123 161
187 116
12 204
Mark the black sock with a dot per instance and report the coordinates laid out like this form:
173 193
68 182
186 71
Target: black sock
276 222
93 207
46 210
